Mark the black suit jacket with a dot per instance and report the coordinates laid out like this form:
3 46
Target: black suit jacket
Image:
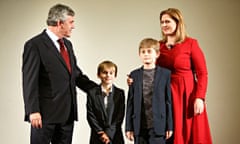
161 102
98 118
48 87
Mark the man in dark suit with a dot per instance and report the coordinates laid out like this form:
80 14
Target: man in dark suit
106 107
149 112
50 76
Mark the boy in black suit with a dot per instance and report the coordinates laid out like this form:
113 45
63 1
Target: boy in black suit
149 109
105 107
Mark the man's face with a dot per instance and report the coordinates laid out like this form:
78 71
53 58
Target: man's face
66 27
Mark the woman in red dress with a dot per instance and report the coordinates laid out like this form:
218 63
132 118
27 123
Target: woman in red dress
183 56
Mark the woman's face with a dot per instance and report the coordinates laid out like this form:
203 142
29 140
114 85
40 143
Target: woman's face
168 25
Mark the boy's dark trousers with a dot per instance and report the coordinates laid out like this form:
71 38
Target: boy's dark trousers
148 136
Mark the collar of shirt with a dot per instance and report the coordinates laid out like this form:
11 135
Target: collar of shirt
54 38
104 91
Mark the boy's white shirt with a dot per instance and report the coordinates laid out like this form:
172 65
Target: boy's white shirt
106 97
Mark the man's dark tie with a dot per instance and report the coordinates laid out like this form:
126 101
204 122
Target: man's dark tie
64 53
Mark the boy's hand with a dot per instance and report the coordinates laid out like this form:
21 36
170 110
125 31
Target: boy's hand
168 134
129 80
130 135
104 137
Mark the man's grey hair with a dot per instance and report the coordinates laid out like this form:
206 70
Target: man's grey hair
58 12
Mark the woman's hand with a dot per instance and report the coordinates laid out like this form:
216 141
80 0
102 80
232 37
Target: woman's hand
198 106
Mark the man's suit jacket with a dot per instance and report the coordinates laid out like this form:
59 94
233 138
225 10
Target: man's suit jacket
48 86
161 102
98 118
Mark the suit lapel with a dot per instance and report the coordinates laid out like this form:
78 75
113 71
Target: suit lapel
140 85
157 78
52 48
99 98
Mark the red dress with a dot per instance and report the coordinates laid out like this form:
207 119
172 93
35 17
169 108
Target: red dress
188 81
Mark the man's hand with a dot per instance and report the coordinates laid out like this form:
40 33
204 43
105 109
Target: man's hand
129 80
36 120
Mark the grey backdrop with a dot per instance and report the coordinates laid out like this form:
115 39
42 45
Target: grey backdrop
112 29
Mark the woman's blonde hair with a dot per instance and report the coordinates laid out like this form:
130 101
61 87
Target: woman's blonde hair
176 15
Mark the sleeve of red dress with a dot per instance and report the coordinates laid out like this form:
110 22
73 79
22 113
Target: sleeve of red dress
200 70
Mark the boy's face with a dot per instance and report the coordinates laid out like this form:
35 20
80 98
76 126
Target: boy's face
148 55
107 76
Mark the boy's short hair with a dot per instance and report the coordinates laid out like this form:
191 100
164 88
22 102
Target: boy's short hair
149 43
106 64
